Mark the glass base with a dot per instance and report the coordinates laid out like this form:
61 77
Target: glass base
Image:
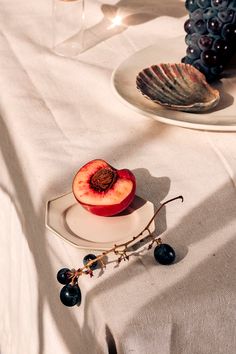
68 49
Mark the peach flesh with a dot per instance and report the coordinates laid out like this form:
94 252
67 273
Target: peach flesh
102 189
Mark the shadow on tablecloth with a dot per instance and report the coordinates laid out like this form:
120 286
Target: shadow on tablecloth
125 13
32 221
194 314
188 302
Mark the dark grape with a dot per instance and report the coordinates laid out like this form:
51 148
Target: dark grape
63 276
226 15
222 47
188 39
187 60
232 4
191 5
192 39
164 254
193 52
205 42
198 64
210 57
70 295
219 4
197 15
214 25
203 3
189 26
216 70
90 257
209 13
200 26
229 32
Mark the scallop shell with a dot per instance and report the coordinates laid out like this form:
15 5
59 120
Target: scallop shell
177 86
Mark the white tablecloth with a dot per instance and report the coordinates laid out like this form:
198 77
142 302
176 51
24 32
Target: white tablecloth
58 113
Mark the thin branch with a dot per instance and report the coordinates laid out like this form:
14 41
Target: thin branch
115 249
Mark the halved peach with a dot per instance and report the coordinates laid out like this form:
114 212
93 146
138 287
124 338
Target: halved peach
102 189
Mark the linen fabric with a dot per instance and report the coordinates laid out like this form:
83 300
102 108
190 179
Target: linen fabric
57 113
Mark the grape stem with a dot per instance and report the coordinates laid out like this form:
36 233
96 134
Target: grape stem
116 248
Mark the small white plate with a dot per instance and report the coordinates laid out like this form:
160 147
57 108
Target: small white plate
69 220
222 118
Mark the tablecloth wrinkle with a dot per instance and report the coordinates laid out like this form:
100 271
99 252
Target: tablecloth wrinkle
33 85
224 161
57 113
196 336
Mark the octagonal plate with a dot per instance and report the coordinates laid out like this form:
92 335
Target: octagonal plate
66 218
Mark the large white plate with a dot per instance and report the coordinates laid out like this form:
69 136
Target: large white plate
69 220
223 118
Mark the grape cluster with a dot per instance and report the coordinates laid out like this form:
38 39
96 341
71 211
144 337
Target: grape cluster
70 294
211 35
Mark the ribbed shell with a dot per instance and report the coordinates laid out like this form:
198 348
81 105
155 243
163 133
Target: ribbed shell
177 86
